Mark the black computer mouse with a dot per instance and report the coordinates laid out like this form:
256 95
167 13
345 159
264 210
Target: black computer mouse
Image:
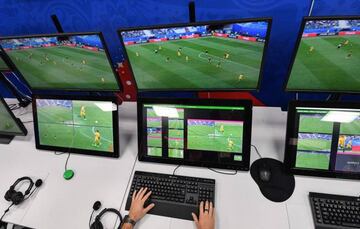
264 174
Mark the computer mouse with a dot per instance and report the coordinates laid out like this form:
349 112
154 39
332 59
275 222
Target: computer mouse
264 174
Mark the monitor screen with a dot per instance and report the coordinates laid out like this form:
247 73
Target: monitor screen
327 56
3 65
62 62
201 56
195 132
87 126
324 139
9 124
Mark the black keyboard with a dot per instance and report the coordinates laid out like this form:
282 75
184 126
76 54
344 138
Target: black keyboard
173 196
335 211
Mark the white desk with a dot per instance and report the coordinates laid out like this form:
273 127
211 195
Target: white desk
239 203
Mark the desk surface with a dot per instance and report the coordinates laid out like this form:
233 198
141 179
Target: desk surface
68 204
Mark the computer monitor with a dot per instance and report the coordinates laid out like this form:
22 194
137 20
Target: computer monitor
323 139
206 56
209 133
3 65
10 126
84 125
68 61
326 57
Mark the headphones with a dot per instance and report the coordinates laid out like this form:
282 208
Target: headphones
97 223
17 197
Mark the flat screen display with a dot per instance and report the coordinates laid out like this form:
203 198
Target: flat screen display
62 62
327 56
195 132
202 56
9 124
325 139
85 126
3 66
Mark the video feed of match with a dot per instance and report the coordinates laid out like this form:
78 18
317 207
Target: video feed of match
318 129
78 124
167 123
328 57
64 62
3 66
7 123
222 56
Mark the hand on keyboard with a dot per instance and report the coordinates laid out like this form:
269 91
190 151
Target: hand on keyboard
206 219
137 210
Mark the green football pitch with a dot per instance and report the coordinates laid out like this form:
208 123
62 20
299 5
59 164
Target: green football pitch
7 124
204 137
63 127
311 160
327 67
352 128
2 64
313 124
152 70
62 67
314 144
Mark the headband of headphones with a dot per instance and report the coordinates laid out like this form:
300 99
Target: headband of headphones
12 187
98 217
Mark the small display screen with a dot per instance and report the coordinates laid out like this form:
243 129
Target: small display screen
76 124
195 133
72 62
328 139
327 57
8 124
207 56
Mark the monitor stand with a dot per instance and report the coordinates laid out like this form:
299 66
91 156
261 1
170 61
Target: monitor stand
6 139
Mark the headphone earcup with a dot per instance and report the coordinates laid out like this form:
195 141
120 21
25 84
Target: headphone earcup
17 198
96 225
9 194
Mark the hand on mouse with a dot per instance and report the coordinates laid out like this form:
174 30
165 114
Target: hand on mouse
206 219
137 210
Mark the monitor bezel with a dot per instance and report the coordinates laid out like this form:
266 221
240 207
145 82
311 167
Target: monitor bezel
15 119
244 165
290 150
12 66
296 48
244 20
115 121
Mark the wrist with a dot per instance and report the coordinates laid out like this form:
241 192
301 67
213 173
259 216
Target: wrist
127 226
129 220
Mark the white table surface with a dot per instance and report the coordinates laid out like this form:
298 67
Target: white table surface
68 204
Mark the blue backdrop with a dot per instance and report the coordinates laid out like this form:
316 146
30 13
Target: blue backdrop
33 17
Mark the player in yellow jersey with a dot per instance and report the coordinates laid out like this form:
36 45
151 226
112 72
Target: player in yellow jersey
241 77
178 53
83 62
137 54
160 47
83 112
97 138
349 145
346 42
226 55
342 142
230 144
222 129
187 58
311 49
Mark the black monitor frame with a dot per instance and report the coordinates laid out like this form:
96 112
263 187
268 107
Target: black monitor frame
291 149
8 136
296 48
115 122
244 165
12 66
266 44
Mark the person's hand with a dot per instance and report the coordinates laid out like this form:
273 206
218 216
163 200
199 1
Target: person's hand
137 210
206 218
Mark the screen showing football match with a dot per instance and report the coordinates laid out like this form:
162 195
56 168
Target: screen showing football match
3 66
182 131
7 123
328 139
78 124
222 56
66 62
328 57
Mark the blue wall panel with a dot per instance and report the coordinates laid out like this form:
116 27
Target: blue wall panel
33 17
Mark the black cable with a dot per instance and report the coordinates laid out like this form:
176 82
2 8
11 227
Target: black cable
31 193
6 211
223 173
67 160
257 151
92 213
176 169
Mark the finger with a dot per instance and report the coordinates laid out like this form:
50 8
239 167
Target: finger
138 194
146 196
196 220
201 209
211 209
134 195
148 208
142 193
206 207
213 213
